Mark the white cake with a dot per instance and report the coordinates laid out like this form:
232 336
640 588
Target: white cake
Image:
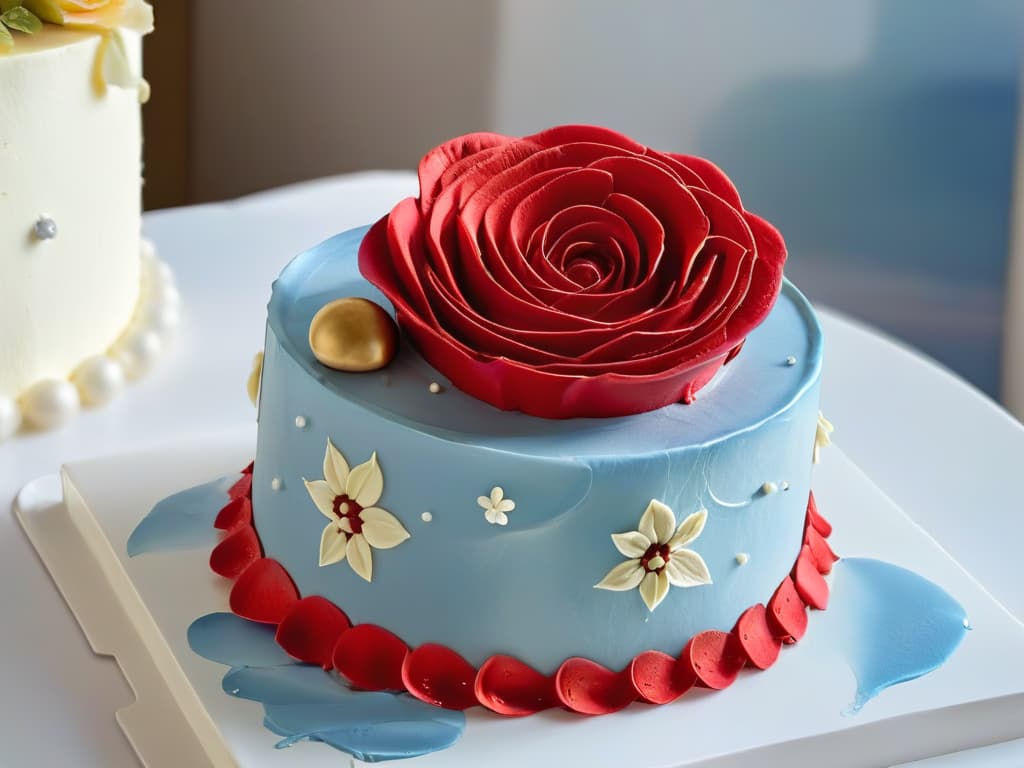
81 306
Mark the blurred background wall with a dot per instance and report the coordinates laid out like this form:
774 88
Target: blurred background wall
878 135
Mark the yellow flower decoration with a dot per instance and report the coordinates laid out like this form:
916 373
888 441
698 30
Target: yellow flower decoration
100 15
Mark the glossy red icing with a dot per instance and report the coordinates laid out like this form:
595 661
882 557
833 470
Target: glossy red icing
574 272
759 643
714 657
372 658
236 552
819 523
659 678
242 488
586 687
236 512
264 592
824 557
310 630
438 675
509 687
787 614
810 584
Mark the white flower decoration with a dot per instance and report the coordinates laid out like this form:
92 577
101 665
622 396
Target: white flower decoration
346 498
495 506
656 555
822 437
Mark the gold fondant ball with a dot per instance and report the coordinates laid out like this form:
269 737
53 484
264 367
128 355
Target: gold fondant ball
353 334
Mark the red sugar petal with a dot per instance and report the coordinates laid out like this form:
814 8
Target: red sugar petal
715 658
242 488
820 524
371 658
248 468
756 639
239 550
310 630
236 512
658 678
439 676
264 592
810 585
733 352
509 687
586 687
824 557
787 614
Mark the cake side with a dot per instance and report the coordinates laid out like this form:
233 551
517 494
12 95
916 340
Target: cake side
526 588
73 156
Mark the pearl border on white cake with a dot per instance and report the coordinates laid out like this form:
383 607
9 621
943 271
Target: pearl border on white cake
98 379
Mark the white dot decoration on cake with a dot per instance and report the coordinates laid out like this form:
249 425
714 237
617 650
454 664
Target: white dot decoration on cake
434 388
45 228
791 360
742 558
785 485
49 403
300 422
769 488
426 517
99 379
276 484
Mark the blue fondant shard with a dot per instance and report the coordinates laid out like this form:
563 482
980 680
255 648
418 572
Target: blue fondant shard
890 624
235 642
301 701
182 521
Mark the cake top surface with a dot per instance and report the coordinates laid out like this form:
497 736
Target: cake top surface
780 360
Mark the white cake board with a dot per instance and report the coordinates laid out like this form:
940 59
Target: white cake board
139 609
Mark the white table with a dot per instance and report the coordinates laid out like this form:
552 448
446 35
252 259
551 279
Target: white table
940 449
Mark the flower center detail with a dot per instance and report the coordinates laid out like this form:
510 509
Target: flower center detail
347 509
655 558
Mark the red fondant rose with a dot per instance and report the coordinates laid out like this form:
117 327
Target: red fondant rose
574 272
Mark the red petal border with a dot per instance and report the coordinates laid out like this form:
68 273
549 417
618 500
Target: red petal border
313 629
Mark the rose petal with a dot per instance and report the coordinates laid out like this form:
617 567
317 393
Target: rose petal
236 552
439 676
715 658
310 630
586 687
658 678
509 687
370 657
264 592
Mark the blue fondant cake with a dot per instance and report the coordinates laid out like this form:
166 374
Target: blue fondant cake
504 520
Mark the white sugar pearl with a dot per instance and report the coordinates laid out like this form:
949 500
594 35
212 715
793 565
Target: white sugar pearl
434 387
790 360
742 558
426 517
10 417
137 352
164 272
769 488
161 317
98 379
49 403
275 484
300 422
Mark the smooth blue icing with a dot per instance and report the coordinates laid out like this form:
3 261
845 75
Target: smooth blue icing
527 589
889 624
305 702
182 521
